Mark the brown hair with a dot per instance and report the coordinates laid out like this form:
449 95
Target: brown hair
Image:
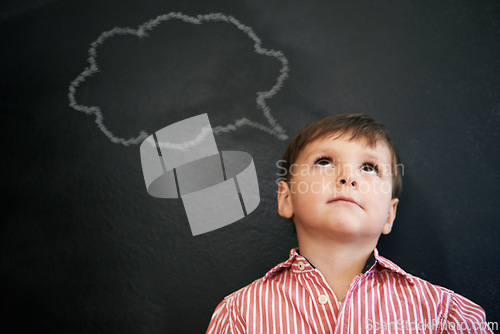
355 127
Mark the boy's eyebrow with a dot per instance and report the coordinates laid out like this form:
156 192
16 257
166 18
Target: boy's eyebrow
321 150
373 157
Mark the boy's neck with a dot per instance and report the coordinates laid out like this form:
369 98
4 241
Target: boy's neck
339 263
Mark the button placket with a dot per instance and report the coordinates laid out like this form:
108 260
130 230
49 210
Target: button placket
318 291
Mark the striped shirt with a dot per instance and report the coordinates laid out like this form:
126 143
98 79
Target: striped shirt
294 297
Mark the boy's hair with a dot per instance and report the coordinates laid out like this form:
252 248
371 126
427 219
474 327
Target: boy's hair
354 127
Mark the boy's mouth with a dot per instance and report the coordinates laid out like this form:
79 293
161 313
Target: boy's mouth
345 199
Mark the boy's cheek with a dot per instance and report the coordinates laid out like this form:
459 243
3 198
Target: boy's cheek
299 170
376 188
316 186
385 188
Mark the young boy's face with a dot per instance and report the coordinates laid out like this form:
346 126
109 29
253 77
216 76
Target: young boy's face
340 189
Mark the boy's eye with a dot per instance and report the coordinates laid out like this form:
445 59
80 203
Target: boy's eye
324 162
369 168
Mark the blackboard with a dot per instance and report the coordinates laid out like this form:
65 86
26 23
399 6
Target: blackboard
85 249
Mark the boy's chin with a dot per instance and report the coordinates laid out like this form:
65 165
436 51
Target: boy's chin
343 229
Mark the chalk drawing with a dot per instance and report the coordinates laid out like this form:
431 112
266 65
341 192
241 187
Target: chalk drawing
272 127
205 131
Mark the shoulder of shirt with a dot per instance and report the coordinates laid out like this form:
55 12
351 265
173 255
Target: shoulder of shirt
271 273
235 298
386 264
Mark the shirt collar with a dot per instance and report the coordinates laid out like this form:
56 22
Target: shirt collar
299 264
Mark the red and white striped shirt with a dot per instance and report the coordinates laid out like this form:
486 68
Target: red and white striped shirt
294 297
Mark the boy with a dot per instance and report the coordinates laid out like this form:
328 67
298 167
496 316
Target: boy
341 189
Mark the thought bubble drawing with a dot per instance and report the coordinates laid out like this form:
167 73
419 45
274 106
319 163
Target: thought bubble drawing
216 188
270 126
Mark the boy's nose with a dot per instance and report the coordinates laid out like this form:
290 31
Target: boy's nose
346 180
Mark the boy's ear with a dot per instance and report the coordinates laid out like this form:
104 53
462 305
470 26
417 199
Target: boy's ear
285 208
392 215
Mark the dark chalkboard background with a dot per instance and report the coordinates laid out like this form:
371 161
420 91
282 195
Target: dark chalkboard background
85 249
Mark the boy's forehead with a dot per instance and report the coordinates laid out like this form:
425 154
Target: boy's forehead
331 141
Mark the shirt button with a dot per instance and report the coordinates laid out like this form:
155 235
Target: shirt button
301 265
323 299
